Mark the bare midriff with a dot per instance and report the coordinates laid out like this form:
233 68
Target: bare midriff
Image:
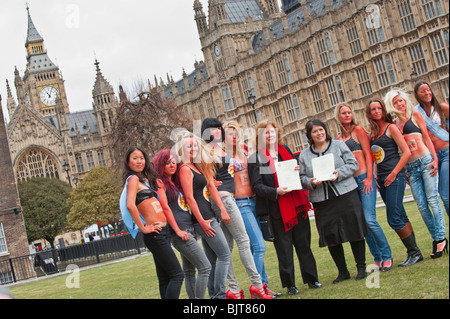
416 146
152 212
361 161
242 184
437 142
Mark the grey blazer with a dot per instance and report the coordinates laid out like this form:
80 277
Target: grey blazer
345 163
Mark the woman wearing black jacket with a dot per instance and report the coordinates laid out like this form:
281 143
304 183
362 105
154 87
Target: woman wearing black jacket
290 224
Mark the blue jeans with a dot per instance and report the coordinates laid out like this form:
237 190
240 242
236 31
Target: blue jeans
425 191
376 240
257 245
443 176
192 257
218 247
393 199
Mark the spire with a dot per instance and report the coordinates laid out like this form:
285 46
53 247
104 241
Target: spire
101 85
10 104
33 35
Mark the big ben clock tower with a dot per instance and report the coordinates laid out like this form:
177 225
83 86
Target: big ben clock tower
43 84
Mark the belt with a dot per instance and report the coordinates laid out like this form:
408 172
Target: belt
245 198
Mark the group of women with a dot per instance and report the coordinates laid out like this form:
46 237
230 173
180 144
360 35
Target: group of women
211 187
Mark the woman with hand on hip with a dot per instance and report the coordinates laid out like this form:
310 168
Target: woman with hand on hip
196 177
436 115
422 166
357 140
142 200
245 198
287 210
338 209
386 140
180 220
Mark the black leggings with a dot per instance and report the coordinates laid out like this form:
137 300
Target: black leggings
168 269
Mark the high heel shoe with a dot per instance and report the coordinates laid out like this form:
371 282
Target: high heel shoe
235 295
439 247
387 265
259 292
269 292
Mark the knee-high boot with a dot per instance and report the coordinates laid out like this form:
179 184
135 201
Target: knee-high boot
406 234
337 253
359 253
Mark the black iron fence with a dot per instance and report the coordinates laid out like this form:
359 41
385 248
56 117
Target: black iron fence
53 261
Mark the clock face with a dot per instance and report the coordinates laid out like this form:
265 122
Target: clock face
216 50
49 95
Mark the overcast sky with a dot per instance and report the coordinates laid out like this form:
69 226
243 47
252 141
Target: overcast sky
132 39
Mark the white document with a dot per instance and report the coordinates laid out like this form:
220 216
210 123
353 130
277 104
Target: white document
287 175
323 167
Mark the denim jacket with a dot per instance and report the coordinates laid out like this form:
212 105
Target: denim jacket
344 162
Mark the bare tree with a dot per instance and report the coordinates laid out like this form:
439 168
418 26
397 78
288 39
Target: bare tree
147 123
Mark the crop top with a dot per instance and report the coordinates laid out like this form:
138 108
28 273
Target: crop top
353 145
410 127
238 166
145 194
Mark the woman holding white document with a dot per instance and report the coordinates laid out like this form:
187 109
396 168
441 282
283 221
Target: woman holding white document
287 209
334 194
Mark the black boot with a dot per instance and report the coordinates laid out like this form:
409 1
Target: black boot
414 254
337 253
359 253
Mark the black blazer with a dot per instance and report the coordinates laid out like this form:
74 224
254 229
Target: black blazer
263 185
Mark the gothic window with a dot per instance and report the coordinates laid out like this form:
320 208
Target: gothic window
297 142
292 108
101 158
3 246
325 49
248 86
227 98
269 80
384 70
79 161
353 39
277 113
364 81
90 160
36 162
317 98
418 59
431 8
406 16
309 62
438 47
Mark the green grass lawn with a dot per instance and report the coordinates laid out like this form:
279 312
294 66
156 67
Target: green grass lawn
136 278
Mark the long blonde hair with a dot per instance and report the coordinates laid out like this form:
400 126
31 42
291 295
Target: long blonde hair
337 112
205 160
390 106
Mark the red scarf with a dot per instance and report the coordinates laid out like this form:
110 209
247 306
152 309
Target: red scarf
292 203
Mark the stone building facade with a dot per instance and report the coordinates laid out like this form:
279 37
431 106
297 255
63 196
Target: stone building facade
13 237
45 138
301 61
